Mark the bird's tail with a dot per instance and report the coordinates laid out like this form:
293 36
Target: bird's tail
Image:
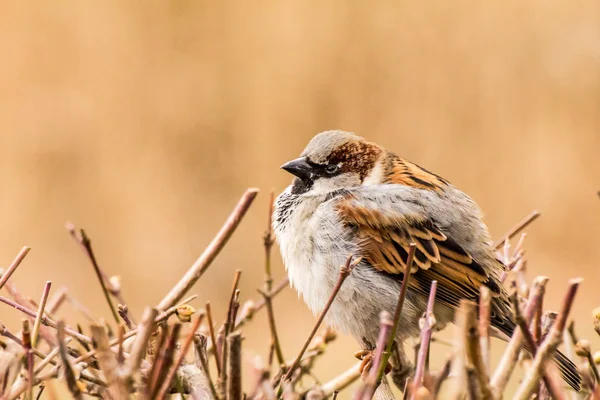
568 370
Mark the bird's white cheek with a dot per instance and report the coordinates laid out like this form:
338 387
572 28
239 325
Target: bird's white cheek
375 177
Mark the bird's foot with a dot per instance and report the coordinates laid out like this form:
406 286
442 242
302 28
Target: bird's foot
367 358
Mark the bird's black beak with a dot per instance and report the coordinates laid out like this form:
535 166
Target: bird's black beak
299 167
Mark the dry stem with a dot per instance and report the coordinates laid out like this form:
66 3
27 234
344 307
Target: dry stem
517 228
198 268
428 324
549 345
14 265
40 313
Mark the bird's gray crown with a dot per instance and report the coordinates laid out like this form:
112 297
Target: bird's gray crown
324 143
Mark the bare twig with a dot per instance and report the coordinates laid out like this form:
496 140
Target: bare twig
426 329
231 312
184 349
473 349
40 313
484 326
517 228
198 268
14 265
511 354
68 368
338 383
213 338
250 308
86 244
385 329
27 345
548 346
45 320
234 366
530 343
398 311
344 273
138 350
268 245
123 311
164 360
201 357
108 363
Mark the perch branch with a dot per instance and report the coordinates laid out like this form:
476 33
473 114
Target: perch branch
198 268
428 324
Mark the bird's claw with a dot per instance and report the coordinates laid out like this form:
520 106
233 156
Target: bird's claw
367 357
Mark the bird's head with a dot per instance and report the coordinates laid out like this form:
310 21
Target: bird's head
335 160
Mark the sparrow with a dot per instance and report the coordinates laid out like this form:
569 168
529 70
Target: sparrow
351 197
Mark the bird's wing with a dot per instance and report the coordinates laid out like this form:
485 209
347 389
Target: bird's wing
385 233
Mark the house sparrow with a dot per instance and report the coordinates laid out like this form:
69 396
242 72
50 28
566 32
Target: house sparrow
352 197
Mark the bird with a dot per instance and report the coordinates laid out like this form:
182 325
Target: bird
354 198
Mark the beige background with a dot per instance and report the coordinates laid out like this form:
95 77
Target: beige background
145 121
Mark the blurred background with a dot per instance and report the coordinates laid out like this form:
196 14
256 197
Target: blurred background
144 122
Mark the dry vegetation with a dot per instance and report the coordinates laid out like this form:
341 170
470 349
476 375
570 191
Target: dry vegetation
150 360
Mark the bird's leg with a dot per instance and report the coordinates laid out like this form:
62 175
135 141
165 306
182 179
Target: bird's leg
402 367
367 355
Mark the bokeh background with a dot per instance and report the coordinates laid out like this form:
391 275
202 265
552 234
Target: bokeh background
144 122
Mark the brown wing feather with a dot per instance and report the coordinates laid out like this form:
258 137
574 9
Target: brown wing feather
385 241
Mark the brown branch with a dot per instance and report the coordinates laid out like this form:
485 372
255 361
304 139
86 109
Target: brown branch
123 311
268 241
485 313
164 360
198 268
109 364
548 346
250 307
139 347
211 329
344 273
530 343
234 367
201 358
27 345
473 349
338 383
427 327
511 354
45 320
56 300
68 368
184 349
14 265
385 329
40 313
398 311
229 321
517 228
86 244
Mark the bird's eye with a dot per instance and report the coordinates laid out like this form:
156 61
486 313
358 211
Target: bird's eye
331 168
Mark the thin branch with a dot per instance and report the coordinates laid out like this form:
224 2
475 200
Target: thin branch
139 347
517 228
530 343
45 320
338 383
268 241
164 361
511 354
198 268
68 368
14 265
385 329
40 313
234 367
86 243
250 307
344 273
184 349
427 327
549 345
27 345
485 313
231 312
473 349
123 311
398 311
213 338
201 357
